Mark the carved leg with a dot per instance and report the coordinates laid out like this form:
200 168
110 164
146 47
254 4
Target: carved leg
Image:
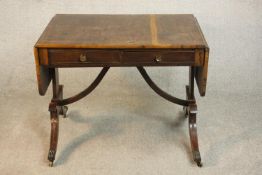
55 111
191 111
193 134
54 132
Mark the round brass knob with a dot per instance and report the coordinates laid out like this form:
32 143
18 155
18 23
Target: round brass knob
82 57
158 58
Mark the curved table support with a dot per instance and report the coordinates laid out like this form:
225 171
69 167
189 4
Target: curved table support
192 111
189 105
54 132
85 92
55 111
160 91
57 107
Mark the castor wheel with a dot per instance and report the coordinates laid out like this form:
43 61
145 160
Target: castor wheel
50 164
63 111
197 158
185 111
51 157
199 164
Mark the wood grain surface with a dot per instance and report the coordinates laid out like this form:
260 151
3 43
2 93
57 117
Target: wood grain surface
122 31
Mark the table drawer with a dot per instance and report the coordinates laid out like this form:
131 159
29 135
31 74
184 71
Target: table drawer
82 56
100 57
172 57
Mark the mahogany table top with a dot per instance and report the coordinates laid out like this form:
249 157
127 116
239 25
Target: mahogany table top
122 31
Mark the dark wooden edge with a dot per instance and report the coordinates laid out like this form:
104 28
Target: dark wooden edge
43 56
201 74
112 46
42 74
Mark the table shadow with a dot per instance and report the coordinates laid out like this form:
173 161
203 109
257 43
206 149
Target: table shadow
99 126
111 126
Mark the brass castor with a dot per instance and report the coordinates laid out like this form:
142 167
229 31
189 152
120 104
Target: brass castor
63 111
51 157
51 163
199 164
197 158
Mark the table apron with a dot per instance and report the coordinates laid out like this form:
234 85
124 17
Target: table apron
119 58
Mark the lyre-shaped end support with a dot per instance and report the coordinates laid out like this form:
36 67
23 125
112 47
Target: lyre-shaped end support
191 112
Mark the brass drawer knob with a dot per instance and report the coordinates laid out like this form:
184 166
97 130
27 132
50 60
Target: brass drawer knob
82 57
158 58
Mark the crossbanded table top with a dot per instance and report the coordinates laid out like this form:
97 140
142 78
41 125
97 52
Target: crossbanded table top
122 31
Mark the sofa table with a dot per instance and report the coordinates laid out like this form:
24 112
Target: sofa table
81 40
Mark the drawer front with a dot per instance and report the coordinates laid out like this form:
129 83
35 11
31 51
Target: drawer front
102 58
172 57
82 56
